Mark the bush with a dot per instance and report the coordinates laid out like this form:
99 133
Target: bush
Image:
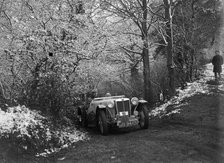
49 94
159 78
24 131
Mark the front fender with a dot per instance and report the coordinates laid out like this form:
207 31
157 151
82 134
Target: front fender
142 101
101 106
104 108
140 104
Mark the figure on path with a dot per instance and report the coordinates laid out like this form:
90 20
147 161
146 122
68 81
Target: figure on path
217 62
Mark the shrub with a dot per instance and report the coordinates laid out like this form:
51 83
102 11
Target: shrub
24 131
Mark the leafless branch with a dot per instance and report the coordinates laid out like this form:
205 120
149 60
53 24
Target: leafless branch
129 50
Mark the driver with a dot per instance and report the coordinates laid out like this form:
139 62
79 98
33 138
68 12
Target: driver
108 94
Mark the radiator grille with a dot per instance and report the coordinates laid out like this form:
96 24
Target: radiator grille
123 106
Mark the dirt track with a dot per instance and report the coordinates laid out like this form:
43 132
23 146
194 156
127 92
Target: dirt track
194 135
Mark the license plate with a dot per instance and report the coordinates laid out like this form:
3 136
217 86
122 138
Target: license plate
123 113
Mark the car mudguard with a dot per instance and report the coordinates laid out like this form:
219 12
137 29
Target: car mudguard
101 106
140 103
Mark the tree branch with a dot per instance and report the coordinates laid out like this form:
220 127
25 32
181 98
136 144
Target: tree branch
129 50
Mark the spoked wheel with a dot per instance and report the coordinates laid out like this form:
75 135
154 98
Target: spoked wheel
102 123
144 117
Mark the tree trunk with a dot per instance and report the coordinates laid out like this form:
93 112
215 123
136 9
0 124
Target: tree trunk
145 55
146 74
169 48
135 81
192 52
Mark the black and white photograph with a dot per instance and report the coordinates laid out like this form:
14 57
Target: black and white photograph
111 81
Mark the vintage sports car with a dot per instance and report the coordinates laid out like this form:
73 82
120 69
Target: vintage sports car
114 111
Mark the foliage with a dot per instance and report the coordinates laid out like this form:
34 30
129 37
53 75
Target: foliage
46 42
196 24
26 131
201 86
53 51
136 15
159 79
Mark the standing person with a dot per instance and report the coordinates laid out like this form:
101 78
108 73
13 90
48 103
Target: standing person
217 62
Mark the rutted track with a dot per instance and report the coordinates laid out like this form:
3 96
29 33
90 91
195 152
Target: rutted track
194 135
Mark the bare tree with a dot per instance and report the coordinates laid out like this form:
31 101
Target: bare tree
169 47
138 13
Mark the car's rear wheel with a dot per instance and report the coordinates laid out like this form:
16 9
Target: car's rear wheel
144 117
102 123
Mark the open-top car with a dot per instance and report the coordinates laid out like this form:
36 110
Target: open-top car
114 111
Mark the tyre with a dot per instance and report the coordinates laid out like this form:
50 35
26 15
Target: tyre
144 117
102 123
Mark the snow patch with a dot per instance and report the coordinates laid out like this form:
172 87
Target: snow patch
197 87
23 124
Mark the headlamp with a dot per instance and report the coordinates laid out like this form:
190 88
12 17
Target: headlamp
110 105
134 101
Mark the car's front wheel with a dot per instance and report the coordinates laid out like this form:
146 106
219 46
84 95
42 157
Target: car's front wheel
144 117
102 123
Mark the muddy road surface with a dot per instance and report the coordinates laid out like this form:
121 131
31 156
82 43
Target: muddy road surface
194 135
